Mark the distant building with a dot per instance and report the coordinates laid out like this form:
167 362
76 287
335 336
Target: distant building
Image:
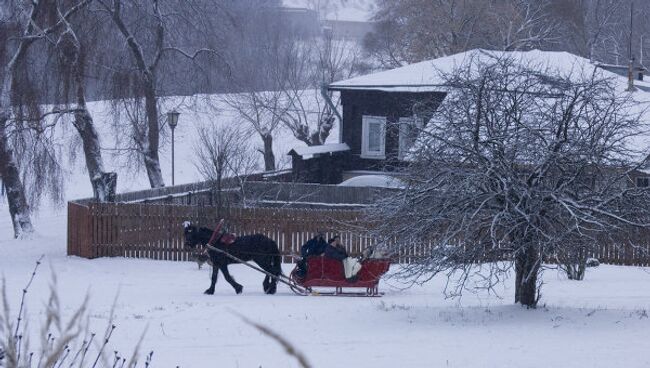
347 30
303 21
638 71
308 23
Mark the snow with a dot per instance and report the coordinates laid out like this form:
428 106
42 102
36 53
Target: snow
430 75
600 322
310 151
381 181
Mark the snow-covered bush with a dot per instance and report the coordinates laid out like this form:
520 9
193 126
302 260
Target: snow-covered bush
592 262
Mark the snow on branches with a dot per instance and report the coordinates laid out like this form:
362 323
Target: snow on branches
518 166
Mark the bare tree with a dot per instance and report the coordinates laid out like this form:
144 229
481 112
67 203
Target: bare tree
223 153
147 135
256 98
307 109
149 29
519 164
589 28
72 70
256 109
23 26
522 24
409 31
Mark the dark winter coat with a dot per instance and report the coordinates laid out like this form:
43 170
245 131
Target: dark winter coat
336 252
314 247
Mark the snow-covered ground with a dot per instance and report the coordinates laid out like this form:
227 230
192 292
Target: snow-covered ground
600 322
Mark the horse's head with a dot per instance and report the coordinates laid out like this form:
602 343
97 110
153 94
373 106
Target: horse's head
191 233
195 235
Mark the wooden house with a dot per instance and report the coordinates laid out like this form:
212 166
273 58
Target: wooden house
380 109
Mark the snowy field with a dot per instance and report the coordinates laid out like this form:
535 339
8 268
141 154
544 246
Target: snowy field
601 322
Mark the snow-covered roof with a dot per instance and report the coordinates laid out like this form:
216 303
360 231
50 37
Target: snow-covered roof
307 152
343 10
427 76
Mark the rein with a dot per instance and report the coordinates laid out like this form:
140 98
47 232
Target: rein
215 232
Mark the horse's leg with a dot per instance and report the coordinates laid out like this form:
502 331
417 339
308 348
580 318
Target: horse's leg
266 284
213 280
238 288
272 265
276 269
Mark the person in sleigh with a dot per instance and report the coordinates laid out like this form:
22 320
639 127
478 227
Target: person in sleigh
336 250
314 247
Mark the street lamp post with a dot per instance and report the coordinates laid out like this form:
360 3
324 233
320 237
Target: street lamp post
172 120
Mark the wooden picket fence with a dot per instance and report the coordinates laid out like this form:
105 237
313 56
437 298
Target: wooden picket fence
155 231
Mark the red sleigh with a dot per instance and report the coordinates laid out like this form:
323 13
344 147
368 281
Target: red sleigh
327 272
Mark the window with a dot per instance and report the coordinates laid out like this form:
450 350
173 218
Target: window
408 131
643 182
373 137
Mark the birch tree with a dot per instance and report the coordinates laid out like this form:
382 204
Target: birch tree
24 18
148 29
517 166
146 135
72 70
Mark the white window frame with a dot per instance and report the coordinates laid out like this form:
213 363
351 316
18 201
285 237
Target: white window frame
366 120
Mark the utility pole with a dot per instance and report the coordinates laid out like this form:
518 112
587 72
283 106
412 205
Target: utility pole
172 121
630 68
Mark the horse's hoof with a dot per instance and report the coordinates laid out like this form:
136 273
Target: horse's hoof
209 292
239 289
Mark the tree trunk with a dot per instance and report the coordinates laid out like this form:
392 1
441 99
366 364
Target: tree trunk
219 193
576 271
320 136
527 264
9 171
151 159
269 157
575 263
15 191
103 183
150 149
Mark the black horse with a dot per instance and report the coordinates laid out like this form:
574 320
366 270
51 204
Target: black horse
258 248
